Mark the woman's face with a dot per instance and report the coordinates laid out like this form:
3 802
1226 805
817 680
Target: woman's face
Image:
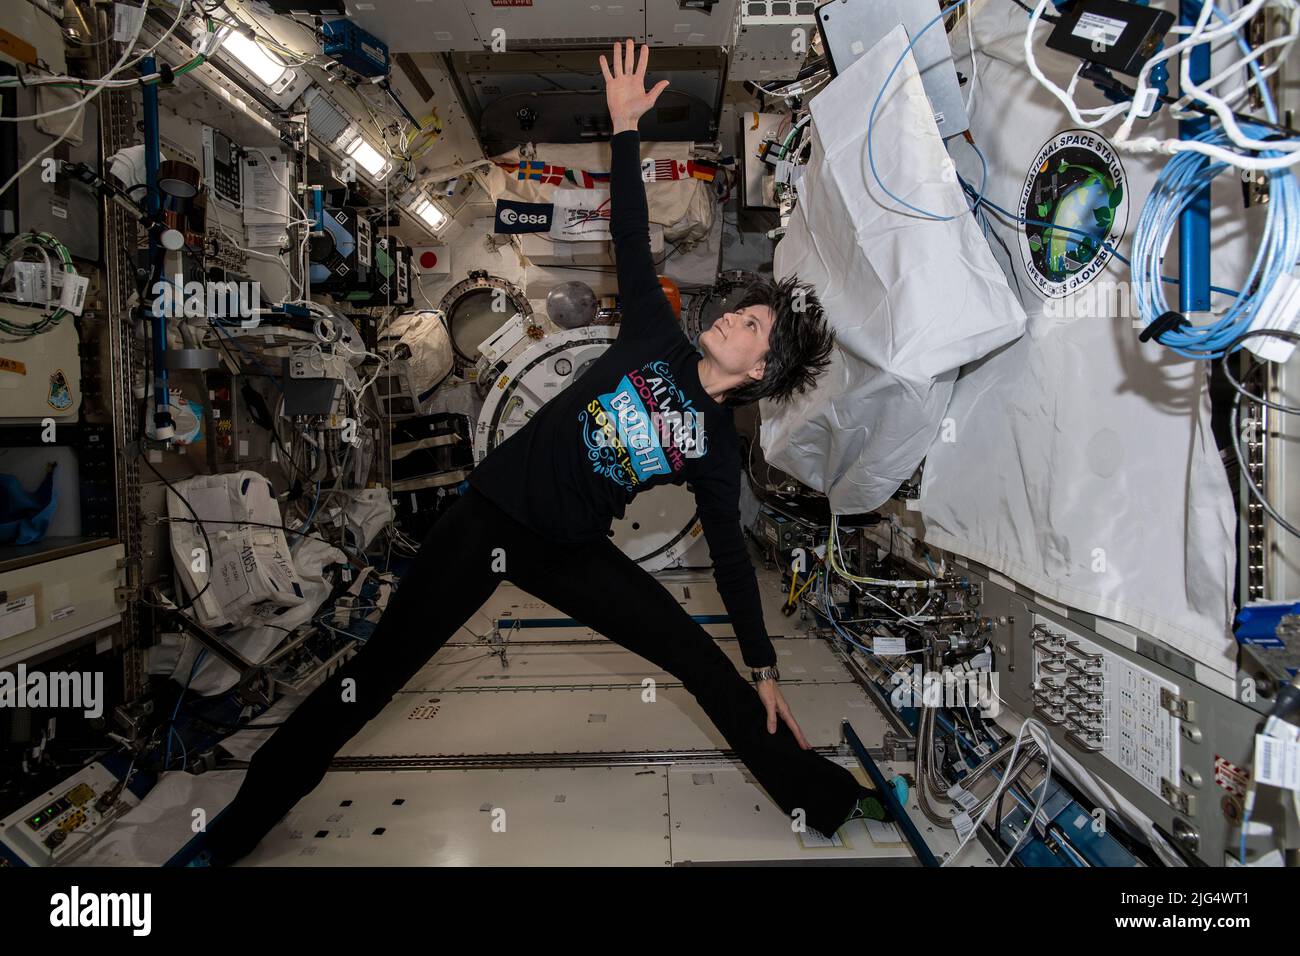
737 341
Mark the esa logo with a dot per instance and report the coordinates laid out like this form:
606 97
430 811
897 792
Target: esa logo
510 217
522 216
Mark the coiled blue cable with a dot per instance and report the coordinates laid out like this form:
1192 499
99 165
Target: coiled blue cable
1279 249
1176 187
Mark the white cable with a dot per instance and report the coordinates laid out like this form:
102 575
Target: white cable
997 794
303 284
1105 113
1193 35
1223 110
296 57
831 548
107 80
76 119
1044 741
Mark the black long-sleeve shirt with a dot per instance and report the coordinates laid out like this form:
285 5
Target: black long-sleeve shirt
637 418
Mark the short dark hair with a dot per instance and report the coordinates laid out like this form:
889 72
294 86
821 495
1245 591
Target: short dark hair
799 345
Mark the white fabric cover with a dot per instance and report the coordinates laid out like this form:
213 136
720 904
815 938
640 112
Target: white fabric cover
910 298
250 564
267 629
424 333
672 203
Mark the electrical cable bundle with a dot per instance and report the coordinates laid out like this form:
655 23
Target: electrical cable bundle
106 82
1198 98
45 244
1175 189
98 87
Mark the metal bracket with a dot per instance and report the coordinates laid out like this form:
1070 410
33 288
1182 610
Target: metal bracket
1180 707
254 680
1049 718
1086 745
1179 799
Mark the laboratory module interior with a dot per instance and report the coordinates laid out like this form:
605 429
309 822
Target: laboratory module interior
279 276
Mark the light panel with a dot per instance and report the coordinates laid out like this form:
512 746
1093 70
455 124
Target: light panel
254 59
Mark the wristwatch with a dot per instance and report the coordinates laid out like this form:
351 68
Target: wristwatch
766 673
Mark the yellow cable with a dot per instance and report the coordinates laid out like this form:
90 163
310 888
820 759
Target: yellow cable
835 566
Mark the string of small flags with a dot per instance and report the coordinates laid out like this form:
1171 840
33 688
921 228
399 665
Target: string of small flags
652 171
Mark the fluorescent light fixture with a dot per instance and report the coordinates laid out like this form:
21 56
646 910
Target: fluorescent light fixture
352 144
431 214
368 157
254 59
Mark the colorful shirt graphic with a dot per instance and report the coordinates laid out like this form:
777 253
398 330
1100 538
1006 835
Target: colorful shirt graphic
643 429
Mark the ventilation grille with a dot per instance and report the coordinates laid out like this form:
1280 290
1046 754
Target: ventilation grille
326 121
540 42
779 8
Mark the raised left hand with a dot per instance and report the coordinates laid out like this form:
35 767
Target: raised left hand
770 694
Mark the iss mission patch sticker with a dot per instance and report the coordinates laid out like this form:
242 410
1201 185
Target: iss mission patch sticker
1077 196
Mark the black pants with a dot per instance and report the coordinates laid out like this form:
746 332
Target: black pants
457 570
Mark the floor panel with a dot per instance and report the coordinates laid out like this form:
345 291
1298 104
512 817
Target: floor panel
601 662
694 590
588 720
567 690
606 816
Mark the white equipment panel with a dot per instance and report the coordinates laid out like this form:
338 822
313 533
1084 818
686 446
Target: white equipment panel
690 24
1115 700
532 664
53 602
767 47
602 816
62 823
40 377
588 720
559 21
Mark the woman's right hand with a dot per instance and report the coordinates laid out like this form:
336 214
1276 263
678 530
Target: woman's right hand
625 91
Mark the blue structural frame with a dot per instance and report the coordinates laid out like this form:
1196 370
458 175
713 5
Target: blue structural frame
887 796
1194 221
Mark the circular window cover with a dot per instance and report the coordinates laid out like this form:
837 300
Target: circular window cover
706 306
477 307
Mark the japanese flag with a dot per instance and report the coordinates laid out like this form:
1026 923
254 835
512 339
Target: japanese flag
431 260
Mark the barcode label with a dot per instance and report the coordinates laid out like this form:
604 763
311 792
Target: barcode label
1277 762
73 294
964 824
963 797
1099 29
890 645
127 21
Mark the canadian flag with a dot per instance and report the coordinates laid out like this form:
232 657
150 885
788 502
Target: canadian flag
431 260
